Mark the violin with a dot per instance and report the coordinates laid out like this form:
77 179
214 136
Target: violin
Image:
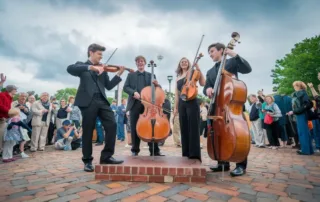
153 125
228 138
190 88
115 68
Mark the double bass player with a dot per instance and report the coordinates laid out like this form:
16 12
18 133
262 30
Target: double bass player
234 65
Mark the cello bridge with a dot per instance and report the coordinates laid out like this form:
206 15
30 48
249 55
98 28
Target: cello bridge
215 117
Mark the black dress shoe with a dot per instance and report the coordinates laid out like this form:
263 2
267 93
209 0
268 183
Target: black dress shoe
134 154
157 154
88 167
99 144
218 168
238 172
110 160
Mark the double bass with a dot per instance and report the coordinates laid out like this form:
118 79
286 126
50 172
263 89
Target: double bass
153 125
229 136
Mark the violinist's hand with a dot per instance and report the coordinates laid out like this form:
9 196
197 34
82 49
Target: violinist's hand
121 70
155 82
97 68
136 95
310 85
3 78
209 92
230 52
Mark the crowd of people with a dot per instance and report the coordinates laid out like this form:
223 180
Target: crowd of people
275 121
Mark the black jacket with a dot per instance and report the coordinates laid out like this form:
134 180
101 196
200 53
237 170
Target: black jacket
88 81
130 86
254 113
233 65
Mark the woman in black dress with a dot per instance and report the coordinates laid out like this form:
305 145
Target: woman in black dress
189 114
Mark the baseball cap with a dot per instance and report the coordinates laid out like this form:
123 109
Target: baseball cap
66 122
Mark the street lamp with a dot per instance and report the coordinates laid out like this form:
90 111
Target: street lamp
169 79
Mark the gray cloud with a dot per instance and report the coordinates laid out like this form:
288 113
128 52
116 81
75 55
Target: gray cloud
56 34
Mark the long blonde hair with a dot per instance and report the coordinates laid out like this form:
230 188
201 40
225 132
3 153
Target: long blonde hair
179 69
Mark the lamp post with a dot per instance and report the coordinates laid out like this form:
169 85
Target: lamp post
169 79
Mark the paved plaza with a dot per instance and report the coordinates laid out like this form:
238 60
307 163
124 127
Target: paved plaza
272 175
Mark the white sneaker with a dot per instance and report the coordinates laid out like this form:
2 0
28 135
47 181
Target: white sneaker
127 145
24 155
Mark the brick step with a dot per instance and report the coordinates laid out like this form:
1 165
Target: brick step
153 169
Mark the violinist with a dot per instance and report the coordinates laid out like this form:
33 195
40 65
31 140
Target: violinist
189 113
135 82
233 65
92 101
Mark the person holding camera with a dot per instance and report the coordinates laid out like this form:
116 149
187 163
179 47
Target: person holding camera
68 137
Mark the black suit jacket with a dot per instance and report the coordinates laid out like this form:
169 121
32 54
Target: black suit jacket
233 65
130 86
88 81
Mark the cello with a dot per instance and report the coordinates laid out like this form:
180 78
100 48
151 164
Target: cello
153 125
228 138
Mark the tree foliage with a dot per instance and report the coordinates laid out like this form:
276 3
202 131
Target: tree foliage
65 93
302 64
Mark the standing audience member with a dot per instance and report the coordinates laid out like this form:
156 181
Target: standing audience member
100 135
203 121
121 112
63 113
256 122
52 124
13 135
300 105
75 113
3 79
5 105
42 110
272 113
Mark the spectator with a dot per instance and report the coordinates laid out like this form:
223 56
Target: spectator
3 79
13 135
300 105
128 129
100 134
256 122
68 137
63 113
5 105
42 110
121 112
273 113
75 113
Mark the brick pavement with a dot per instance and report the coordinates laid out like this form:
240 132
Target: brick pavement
58 176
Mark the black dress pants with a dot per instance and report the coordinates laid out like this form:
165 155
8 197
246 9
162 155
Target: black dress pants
50 133
98 107
242 164
135 112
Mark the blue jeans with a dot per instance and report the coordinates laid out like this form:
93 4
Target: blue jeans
99 131
316 132
304 134
120 131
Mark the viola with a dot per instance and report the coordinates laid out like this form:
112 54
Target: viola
153 125
190 88
228 138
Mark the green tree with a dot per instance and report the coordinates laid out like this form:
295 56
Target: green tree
302 64
65 93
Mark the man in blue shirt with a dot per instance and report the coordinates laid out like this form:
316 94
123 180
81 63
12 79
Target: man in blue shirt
121 112
68 137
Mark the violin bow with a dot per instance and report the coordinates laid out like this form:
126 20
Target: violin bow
106 63
195 58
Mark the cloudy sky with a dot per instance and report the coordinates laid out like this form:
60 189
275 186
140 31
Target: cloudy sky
39 39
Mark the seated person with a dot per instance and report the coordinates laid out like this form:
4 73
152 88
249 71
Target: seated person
68 137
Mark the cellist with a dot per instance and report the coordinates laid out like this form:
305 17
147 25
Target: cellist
135 82
234 65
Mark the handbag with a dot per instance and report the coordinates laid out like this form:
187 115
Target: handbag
268 119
